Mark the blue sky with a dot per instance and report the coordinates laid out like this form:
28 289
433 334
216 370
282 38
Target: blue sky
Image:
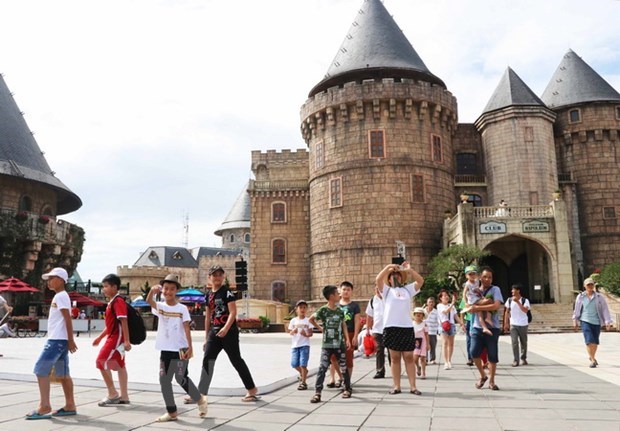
149 109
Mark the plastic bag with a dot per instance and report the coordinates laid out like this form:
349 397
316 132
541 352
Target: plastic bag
369 344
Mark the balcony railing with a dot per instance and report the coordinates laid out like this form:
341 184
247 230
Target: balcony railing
463 180
279 185
28 226
522 211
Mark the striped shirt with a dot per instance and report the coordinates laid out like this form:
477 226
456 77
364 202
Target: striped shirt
432 322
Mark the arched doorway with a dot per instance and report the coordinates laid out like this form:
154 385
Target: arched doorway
516 259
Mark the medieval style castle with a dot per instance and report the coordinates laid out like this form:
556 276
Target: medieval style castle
387 162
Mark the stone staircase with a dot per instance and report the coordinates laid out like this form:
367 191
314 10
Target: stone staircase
551 318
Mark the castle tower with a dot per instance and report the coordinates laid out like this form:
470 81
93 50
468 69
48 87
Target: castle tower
586 140
379 128
517 140
235 229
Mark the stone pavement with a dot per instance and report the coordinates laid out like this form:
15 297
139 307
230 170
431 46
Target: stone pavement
557 391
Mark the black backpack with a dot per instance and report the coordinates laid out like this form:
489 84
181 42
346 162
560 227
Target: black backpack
135 324
529 312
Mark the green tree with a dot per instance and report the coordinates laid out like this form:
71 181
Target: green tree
609 278
448 266
145 290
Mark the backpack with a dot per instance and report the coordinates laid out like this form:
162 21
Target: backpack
135 324
529 312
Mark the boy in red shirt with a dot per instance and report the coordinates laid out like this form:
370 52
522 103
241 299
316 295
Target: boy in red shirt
112 354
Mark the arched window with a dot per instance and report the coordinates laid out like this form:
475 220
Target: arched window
246 237
47 211
278 212
25 204
475 199
278 247
232 238
278 291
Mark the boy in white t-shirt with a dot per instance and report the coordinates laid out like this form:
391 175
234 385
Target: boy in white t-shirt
174 340
55 353
301 330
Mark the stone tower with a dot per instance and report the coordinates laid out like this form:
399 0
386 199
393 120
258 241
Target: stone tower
517 140
586 140
235 229
379 128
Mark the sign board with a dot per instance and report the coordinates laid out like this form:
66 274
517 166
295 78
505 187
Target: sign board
537 287
535 226
492 227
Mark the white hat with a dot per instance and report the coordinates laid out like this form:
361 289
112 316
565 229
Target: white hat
419 310
588 281
57 272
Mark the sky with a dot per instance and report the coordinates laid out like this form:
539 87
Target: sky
149 109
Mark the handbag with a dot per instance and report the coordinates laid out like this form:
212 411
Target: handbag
370 346
446 326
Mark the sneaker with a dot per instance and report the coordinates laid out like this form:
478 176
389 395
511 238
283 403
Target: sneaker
593 364
470 363
432 363
379 375
524 362
515 363
446 366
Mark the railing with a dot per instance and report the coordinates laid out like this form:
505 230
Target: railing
279 185
33 227
470 179
522 211
565 177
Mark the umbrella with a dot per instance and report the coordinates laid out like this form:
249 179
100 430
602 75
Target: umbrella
16 285
83 300
192 298
139 302
190 292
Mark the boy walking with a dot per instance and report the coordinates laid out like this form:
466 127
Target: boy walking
112 354
55 353
335 341
301 330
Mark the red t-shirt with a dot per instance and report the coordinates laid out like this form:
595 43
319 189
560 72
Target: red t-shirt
116 308
75 312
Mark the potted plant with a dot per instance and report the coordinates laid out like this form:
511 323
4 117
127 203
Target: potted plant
464 197
21 216
557 195
43 219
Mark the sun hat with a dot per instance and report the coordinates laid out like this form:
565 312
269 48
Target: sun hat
419 310
171 278
57 272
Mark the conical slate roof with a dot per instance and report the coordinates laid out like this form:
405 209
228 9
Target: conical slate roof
375 47
239 215
575 82
20 155
511 91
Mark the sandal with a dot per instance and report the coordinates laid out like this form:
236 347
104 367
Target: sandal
315 399
107 401
188 400
415 392
394 391
494 387
331 385
481 382
250 398
346 394
339 384
302 386
166 418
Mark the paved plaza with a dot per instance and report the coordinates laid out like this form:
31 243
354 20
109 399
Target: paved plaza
557 391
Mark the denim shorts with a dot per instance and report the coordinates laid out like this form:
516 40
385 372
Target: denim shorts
480 340
591 333
55 354
450 333
300 356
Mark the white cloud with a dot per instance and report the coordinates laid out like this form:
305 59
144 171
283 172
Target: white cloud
150 108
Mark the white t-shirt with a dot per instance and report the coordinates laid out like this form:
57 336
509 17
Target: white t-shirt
2 309
397 305
518 317
56 328
375 310
301 325
441 316
170 329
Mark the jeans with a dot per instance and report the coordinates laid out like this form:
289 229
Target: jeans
468 338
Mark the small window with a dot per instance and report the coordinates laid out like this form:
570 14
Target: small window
417 188
278 247
617 112
609 212
278 291
574 116
437 151
232 238
529 134
153 255
246 238
335 192
376 144
25 204
278 212
177 256
466 164
534 198
474 199
319 160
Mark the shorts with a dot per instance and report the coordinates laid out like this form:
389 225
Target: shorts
110 357
591 332
55 354
300 356
480 341
450 333
399 339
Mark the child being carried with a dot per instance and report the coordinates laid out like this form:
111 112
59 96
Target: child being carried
473 295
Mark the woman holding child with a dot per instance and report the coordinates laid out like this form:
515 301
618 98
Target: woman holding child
397 285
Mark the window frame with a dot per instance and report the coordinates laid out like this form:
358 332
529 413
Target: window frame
247 238
372 144
412 189
335 180
281 284
319 159
570 117
473 170
273 212
273 251
437 139
612 216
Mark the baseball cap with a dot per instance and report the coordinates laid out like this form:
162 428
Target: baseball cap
588 281
216 268
300 302
471 268
56 272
